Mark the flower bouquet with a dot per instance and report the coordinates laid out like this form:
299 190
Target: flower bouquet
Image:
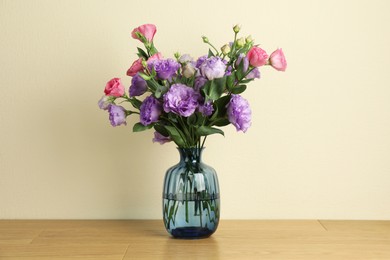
188 99
185 100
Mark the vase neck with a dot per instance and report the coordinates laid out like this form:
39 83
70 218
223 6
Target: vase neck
190 155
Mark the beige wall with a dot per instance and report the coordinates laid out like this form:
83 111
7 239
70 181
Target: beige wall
319 146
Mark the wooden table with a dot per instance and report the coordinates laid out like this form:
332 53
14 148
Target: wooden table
147 239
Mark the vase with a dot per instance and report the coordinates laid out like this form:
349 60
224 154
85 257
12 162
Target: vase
191 200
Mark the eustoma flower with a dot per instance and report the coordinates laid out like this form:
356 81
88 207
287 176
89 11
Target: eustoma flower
199 82
165 69
239 113
245 62
114 88
156 56
181 100
138 86
147 30
257 56
213 68
277 60
188 70
150 111
105 102
159 138
135 68
206 108
117 115
254 74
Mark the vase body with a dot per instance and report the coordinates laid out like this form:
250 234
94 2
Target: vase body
191 200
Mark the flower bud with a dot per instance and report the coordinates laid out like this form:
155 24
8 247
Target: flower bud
277 60
188 70
105 102
236 28
185 58
240 42
205 39
177 55
225 49
249 39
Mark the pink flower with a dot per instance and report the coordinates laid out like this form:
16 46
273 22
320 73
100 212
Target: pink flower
147 30
114 88
257 57
156 56
277 60
135 67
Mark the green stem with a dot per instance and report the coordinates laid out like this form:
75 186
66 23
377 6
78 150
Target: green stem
212 46
243 77
178 130
186 131
232 53
204 140
200 212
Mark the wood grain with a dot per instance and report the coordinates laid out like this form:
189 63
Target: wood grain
234 239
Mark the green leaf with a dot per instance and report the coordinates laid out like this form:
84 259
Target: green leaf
220 105
176 135
191 120
214 89
153 85
173 117
160 90
144 76
138 127
215 114
239 74
153 49
207 130
210 54
161 129
142 53
230 80
135 103
206 89
220 86
246 81
239 89
196 119
221 122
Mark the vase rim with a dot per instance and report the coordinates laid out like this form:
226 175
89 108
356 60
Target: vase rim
190 148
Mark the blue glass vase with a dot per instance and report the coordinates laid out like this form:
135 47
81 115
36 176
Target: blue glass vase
191 197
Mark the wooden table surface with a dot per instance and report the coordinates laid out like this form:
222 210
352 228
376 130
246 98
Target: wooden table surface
147 239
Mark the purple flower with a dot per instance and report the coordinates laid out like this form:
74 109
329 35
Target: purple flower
255 73
228 71
239 113
181 100
159 138
150 111
206 109
138 86
199 82
213 68
165 69
186 58
117 115
200 61
242 58
105 102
